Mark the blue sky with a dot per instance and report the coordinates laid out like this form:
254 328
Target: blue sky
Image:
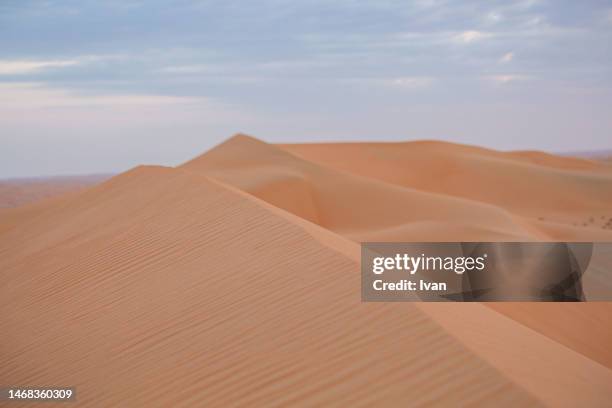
100 86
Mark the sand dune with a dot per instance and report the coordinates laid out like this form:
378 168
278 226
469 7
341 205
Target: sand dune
534 184
233 280
357 207
172 285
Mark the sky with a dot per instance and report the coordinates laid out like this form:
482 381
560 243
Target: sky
90 86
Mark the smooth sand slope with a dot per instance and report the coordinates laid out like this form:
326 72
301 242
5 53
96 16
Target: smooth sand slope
168 295
233 280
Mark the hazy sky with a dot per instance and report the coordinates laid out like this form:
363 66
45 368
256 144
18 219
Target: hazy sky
99 86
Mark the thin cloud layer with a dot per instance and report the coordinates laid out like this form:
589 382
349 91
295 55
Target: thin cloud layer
470 36
333 70
17 67
507 78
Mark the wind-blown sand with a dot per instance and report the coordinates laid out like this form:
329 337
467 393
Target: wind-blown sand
234 280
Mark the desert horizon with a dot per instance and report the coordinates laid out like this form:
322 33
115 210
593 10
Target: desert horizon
19 190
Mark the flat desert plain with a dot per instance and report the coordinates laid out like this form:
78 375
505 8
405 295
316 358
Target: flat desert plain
234 280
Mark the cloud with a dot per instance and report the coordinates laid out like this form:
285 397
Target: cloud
39 103
425 3
33 66
507 78
470 36
399 83
186 69
507 57
23 67
28 95
535 21
526 4
493 17
412 82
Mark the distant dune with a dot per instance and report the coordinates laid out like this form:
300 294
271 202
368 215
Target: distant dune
20 191
604 155
551 194
233 280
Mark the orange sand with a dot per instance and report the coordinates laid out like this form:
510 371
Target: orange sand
234 280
